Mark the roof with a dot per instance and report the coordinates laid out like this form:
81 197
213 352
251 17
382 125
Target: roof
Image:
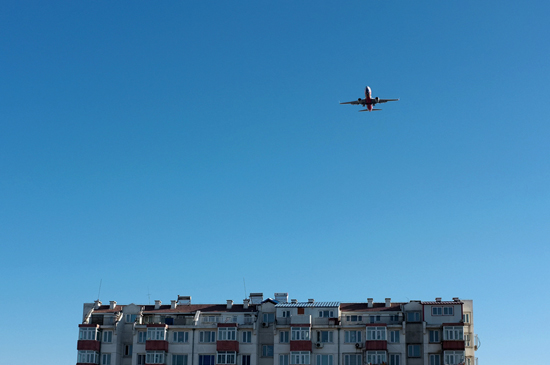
442 303
183 308
364 307
309 305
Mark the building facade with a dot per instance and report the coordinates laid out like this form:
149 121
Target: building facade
279 332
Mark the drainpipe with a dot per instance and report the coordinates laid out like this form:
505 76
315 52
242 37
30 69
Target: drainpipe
193 347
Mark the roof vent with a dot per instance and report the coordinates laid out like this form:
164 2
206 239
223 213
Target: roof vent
369 300
294 300
456 299
157 304
311 300
112 304
245 303
173 304
97 304
388 302
281 297
184 300
229 304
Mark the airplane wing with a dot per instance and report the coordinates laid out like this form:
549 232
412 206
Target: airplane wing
386 100
366 110
355 102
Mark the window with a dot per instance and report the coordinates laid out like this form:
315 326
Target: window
326 314
374 319
447 311
300 333
107 336
413 350
154 357
376 357
394 318
211 319
106 359
454 357
435 359
179 359
354 318
127 350
156 333
434 336
376 333
131 318
301 310
226 357
352 359
206 359
394 336
467 340
324 336
324 360
247 336
142 337
87 334
466 318
413 316
283 337
436 311
140 359
299 357
245 359
89 357
453 333
267 351
283 359
395 359
286 314
227 334
269 317
207 336
352 336
180 337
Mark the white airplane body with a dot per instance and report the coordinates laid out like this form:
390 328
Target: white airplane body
369 101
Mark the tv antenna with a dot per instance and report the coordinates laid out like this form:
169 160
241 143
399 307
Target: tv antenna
149 295
99 291
244 284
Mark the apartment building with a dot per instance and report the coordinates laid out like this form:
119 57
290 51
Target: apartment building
276 331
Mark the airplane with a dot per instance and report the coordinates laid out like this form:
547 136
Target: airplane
368 101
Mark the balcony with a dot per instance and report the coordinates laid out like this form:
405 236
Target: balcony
90 345
375 345
301 345
156 345
453 345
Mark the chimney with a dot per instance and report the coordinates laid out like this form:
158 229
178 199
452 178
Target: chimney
370 302
311 300
294 300
281 297
456 299
256 298
229 304
173 304
245 303
388 302
112 304
97 304
157 304
184 300
438 299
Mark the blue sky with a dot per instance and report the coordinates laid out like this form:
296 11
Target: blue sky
171 147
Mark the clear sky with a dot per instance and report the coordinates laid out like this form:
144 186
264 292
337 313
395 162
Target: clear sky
176 147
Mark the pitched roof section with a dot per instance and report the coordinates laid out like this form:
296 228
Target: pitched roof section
309 305
442 303
184 308
364 307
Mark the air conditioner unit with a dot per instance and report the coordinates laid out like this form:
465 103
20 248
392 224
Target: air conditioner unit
265 324
319 345
358 345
